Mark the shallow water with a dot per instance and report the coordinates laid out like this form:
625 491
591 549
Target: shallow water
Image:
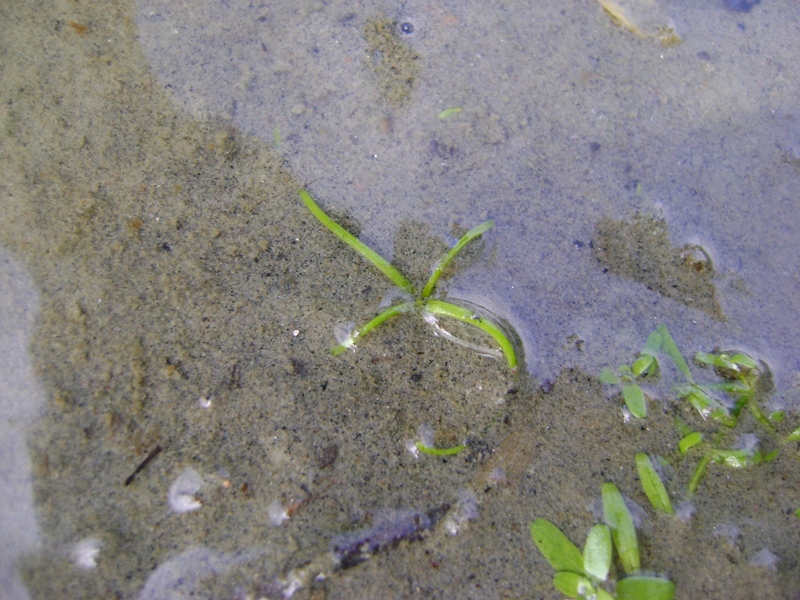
151 157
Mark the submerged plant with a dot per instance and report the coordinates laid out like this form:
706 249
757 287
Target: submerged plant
585 574
421 302
735 458
645 365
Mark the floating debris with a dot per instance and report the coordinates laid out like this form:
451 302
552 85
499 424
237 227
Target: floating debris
644 18
181 493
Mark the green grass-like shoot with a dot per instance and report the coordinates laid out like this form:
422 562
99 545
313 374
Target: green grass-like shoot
442 264
449 112
440 308
652 485
440 451
348 238
423 302
670 348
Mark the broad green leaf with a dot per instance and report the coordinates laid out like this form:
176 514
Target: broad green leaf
653 344
635 400
690 441
744 361
640 587
669 348
643 365
603 595
607 376
561 553
597 553
713 360
652 484
572 584
618 518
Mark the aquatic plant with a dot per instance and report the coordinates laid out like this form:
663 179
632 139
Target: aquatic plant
735 458
652 485
646 365
586 574
422 303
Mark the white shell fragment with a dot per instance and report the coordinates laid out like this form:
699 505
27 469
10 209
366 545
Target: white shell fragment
277 513
84 553
181 493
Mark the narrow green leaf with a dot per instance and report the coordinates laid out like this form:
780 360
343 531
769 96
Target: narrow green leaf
689 441
597 553
634 398
561 553
442 264
640 587
440 308
623 532
699 471
348 238
670 348
440 451
653 343
357 334
448 112
572 584
651 483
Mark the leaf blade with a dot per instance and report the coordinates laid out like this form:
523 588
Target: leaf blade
651 483
556 547
618 518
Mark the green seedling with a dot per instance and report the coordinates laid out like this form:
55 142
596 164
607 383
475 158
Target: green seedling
431 309
586 574
743 381
644 366
652 485
733 458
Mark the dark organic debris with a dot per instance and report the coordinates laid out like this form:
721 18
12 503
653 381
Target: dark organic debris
389 527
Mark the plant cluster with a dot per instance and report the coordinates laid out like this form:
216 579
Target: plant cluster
422 302
742 385
586 575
